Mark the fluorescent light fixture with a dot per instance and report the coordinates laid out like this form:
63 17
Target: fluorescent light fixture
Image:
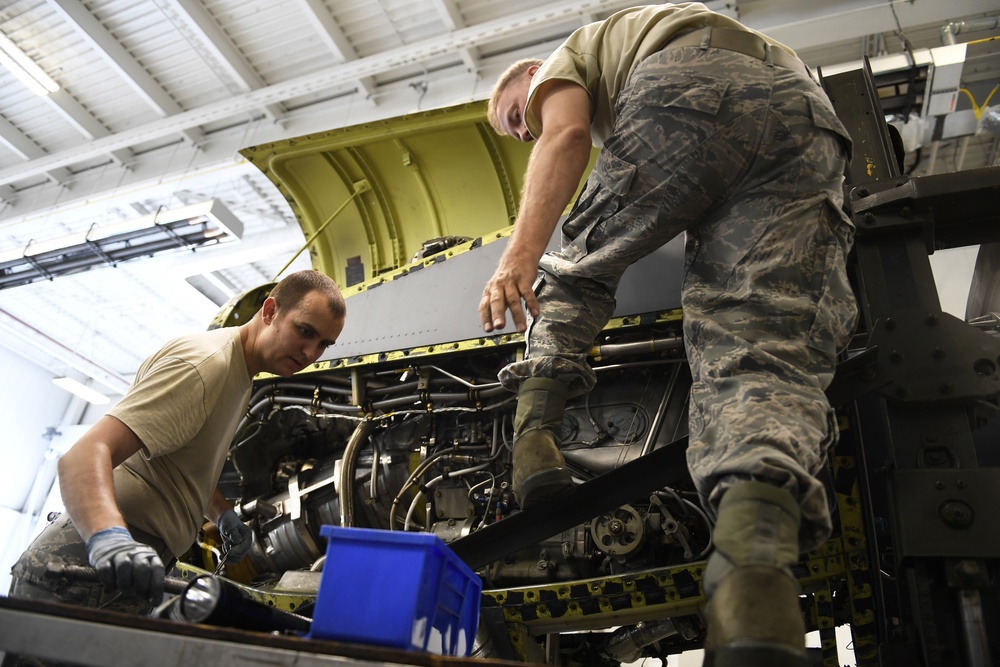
213 286
81 390
25 69
189 227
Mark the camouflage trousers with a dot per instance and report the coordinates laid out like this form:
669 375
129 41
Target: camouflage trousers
60 542
747 158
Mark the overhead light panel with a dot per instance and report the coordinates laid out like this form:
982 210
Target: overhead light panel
83 391
948 64
25 69
213 286
189 227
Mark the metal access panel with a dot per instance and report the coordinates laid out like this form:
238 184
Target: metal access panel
439 303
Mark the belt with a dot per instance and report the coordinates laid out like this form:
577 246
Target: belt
743 42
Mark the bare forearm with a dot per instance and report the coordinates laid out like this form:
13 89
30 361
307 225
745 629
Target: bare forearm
554 171
88 493
86 479
557 163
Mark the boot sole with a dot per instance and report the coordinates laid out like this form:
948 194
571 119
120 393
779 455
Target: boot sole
544 485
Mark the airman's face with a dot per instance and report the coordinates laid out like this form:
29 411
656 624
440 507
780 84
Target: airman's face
510 107
298 337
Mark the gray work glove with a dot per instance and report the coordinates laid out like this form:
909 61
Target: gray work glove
237 537
125 564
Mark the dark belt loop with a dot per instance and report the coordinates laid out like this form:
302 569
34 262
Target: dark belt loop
767 55
706 39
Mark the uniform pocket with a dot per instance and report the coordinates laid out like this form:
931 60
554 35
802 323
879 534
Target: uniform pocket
608 185
824 117
697 93
614 173
836 308
670 79
704 95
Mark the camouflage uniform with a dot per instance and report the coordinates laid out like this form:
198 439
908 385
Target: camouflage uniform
748 159
60 542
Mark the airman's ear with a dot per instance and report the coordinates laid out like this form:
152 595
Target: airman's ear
531 70
269 309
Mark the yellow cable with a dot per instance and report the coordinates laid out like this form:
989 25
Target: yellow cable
984 39
976 109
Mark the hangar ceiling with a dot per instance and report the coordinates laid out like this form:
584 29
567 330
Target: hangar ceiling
155 98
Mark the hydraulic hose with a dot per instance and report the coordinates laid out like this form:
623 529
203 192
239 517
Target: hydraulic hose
348 469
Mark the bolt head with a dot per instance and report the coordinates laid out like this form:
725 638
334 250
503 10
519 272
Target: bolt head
956 514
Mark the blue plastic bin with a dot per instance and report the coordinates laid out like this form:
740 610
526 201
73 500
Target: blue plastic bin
399 589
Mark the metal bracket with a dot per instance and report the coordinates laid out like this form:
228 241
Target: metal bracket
947 512
934 357
892 208
867 197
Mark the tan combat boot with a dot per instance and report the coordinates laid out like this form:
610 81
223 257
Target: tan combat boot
539 467
754 618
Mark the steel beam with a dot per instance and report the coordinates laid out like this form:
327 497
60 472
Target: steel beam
215 47
120 60
331 78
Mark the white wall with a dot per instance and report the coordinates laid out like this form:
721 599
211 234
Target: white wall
39 424
30 404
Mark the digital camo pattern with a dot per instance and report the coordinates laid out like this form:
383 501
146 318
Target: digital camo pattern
748 159
60 542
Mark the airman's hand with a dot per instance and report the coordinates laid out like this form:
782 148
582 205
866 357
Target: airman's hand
511 282
237 537
125 564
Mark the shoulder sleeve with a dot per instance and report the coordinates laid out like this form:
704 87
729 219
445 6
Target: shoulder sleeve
563 65
166 407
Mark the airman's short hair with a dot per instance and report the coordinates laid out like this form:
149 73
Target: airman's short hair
290 291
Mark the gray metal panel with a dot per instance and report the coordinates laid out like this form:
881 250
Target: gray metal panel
440 303
99 644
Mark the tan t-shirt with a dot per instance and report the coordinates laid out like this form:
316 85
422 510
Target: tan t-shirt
185 404
601 56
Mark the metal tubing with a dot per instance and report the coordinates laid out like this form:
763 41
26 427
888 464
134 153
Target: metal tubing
349 467
977 643
661 410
